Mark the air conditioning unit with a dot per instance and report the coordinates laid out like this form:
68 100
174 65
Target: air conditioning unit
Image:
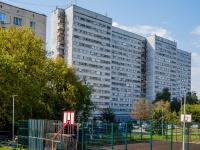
2 22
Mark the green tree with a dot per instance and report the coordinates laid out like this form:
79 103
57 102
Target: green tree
22 58
66 91
44 87
159 113
175 105
108 115
191 98
163 95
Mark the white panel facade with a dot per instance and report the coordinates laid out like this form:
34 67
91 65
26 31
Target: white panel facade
87 47
125 70
183 62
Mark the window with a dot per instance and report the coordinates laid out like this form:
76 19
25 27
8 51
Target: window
2 17
32 24
17 21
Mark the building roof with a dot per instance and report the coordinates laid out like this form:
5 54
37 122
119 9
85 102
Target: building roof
23 9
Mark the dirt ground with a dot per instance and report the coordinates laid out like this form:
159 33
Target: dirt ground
157 145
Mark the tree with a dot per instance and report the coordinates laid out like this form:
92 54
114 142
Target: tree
193 109
140 109
108 115
66 91
44 87
175 105
22 58
191 98
159 113
163 95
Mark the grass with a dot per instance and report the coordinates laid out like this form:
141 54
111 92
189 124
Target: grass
10 148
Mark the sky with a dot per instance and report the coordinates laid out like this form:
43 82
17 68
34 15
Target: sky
177 20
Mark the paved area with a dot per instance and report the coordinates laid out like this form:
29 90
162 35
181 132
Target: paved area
156 145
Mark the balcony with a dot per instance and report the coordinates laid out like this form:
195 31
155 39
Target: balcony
60 29
61 46
61 15
60 41
60 34
61 21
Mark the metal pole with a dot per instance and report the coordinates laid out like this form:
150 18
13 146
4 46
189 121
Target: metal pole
140 129
126 137
162 120
13 118
180 95
112 137
150 134
171 140
183 146
83 136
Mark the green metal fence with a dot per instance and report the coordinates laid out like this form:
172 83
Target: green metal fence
108 135
39 134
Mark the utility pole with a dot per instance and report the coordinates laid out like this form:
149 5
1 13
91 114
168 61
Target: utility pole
183 144
13 125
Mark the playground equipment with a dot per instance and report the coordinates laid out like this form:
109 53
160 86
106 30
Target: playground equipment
49 134
69 134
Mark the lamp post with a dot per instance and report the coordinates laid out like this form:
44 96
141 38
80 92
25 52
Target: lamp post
180 95
13 130
183 145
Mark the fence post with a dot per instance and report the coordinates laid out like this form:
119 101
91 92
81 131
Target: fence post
188 135
167 131
83 137
112 136
126 137
130 131
150 134
29 134
61 136
106 129
171 141
141 129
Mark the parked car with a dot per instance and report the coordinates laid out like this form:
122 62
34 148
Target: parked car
194 126
144 125
135 126
174 127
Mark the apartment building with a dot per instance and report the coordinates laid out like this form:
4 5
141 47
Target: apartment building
183 72
83 38
12 15
126 64
166 66
121 66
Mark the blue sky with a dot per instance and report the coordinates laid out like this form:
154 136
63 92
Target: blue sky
177 20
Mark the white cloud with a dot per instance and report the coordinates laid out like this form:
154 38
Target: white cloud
196 42
146 30
196 31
